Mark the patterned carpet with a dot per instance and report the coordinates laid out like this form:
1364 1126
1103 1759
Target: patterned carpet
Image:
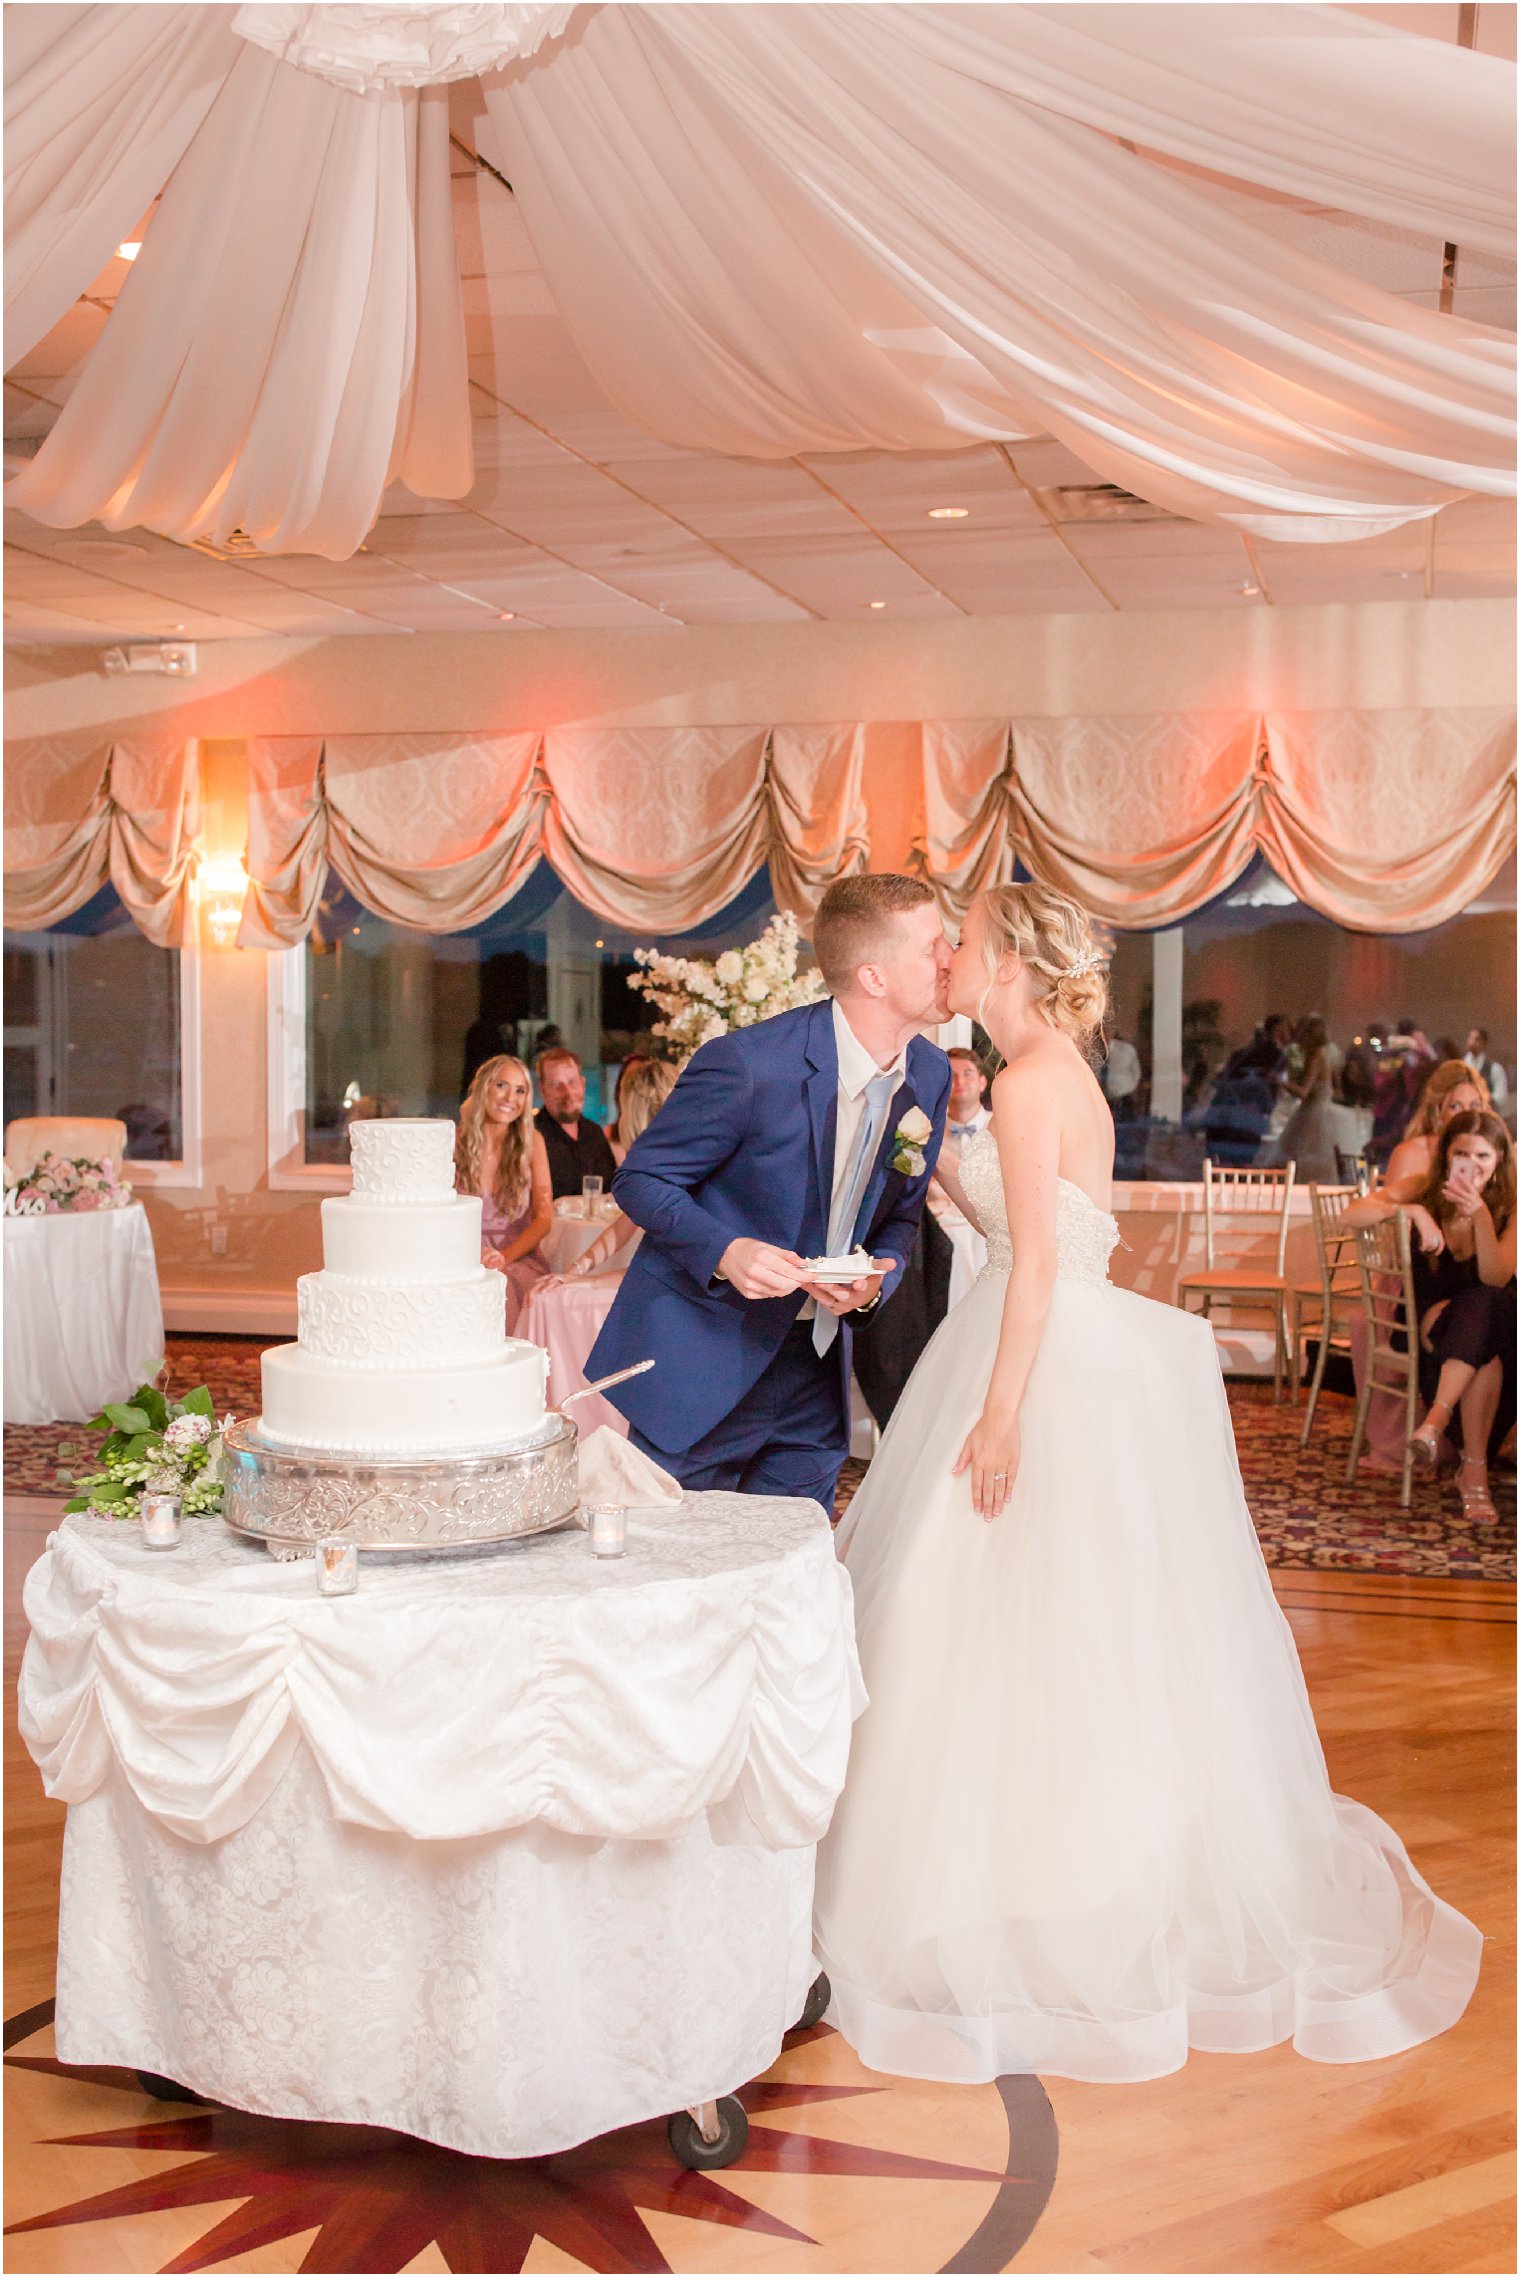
1305 1513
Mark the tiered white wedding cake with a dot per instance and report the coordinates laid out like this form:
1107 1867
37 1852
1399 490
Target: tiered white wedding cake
402 1338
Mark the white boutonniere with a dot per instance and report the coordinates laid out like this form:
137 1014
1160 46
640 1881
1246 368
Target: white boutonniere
908 1142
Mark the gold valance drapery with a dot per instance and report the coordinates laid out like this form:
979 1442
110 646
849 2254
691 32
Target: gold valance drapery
1384 821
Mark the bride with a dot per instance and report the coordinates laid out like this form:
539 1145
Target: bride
1087 1824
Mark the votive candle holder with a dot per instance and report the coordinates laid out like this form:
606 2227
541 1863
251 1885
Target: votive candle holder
607 1524
337 1567
161 1516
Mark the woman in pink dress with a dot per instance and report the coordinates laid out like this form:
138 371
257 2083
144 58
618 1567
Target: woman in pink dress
500 1156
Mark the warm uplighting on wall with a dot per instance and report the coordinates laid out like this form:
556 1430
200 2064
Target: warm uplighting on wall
222 883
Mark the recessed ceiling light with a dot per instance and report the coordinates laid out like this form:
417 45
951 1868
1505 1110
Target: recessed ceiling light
103 549
1250 590
506 616
876 604
130 250
948 513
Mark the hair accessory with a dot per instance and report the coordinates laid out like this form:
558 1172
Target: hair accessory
1089 962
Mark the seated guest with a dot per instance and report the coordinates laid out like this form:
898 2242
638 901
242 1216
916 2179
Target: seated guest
500 1156
576 1148
1463 1222
643 1088
969 1112
628 1072
1452 1089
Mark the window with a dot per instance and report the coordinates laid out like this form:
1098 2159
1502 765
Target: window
1255 951
368 1017
98 1021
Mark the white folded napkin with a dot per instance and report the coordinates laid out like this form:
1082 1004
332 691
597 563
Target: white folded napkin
614 1471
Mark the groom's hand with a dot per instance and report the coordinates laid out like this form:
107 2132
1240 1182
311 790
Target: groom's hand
848 1296
759 1269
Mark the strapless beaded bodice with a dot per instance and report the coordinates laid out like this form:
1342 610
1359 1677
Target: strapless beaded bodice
1085 1235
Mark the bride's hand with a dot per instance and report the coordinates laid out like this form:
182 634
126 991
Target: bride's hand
992 1456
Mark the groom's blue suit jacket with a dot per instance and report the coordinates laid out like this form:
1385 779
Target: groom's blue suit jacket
745 1145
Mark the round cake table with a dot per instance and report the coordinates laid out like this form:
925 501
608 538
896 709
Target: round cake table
83 1320
507 1849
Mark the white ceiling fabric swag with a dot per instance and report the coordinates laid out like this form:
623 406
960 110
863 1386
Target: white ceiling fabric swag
801 216
770 229
368 47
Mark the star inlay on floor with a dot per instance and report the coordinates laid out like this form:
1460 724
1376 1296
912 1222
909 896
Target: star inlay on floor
231 2189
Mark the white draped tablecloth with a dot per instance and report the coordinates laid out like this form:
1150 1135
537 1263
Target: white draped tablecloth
83 1320
509 1848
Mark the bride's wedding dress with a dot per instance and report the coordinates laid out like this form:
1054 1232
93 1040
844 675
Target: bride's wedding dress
1087 1824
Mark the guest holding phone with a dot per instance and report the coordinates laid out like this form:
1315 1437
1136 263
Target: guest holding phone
1451 1089
1463 1222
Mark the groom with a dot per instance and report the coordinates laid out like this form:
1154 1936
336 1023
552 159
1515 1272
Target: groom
808 1135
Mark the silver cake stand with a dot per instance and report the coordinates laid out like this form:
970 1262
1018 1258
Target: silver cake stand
291 1498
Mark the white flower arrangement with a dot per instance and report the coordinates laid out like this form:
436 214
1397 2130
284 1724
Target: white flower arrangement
698 1000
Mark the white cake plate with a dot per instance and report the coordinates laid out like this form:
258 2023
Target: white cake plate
290 1498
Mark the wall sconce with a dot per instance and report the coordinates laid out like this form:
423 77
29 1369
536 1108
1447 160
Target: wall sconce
223 883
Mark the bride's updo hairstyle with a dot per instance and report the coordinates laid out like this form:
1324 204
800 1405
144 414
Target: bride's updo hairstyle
1053 941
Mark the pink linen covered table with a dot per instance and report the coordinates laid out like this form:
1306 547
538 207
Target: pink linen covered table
565 1319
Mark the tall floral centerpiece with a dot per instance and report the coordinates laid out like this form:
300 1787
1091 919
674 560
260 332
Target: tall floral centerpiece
698 998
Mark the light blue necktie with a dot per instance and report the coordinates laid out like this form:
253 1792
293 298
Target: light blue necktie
879 1093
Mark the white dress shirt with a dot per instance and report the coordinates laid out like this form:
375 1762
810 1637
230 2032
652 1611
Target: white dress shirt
856 1069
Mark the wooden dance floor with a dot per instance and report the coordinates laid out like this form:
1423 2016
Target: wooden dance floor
1257 2163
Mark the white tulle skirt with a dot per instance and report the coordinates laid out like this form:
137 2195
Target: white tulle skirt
1087 1824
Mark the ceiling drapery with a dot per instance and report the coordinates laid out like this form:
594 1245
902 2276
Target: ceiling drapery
1388 822
769 229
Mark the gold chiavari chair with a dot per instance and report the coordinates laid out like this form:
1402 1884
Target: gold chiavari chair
1240 1208
1336 1289
1393 1345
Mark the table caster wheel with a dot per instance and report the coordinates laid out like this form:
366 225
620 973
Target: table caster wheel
820 1992
166 2090
692 2148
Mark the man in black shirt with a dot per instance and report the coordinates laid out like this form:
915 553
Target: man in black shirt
576 1148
